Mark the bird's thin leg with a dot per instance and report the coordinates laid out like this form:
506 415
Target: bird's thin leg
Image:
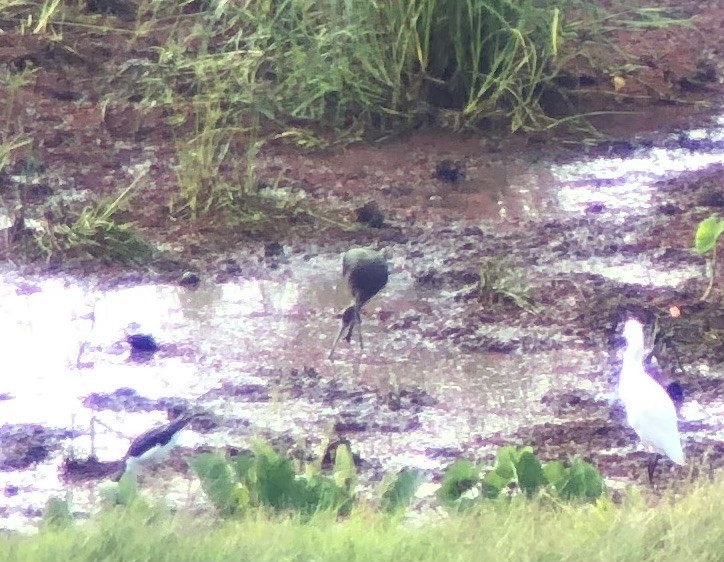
334 346
653 460
347 324
358 324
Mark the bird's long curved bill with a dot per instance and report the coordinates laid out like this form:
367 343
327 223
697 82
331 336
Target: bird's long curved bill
350 328
339 337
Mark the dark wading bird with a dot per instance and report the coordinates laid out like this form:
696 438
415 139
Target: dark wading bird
649 408
152 446
365 271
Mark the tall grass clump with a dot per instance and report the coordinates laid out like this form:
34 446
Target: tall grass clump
233 74
342 63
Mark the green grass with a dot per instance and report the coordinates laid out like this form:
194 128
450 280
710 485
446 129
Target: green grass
231 75
689 527
95 234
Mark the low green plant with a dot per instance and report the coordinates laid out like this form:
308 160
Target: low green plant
459 478
705 240
12 84
57 513
518 469
264 478
397 492
121 493
8 146
499 282
95 234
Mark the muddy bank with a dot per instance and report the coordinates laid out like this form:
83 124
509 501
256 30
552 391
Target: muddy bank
572 247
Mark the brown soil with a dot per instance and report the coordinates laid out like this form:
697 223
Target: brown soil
669 78
87 144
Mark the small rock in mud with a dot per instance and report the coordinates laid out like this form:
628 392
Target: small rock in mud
414 398
669 209
563 403
713 199
450 171
397 190
24 445
247 392
230 267
430 278
273 249
80 470
144 343
619 148
348 422
121 400
371 215
694 144
448 453
190 279
406 322
595 208
124 9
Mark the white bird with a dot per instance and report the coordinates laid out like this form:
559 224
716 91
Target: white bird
649 409
365 271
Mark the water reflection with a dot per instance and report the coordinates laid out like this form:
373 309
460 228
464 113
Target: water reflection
63 339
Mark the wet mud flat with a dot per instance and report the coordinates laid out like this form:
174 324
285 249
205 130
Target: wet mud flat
571 246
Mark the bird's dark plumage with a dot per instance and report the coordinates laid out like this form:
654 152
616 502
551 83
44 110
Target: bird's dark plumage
365 276
152 444
366 273
157 436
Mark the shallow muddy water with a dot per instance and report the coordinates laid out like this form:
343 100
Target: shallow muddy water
444 374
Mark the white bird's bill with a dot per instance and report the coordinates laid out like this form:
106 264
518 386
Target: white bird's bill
649 409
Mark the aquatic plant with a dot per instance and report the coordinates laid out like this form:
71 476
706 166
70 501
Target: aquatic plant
57 513
500 281
518 469
705 240
398 491
264 478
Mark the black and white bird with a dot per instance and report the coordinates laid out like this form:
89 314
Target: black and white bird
365 271
649 409
153 446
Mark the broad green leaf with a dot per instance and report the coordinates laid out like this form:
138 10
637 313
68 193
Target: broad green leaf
493 484
584 482
461 476
399 493
127 488
216 480
275 481
529 472
57 513
242 465
505 462
345 473
707 234
555 473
